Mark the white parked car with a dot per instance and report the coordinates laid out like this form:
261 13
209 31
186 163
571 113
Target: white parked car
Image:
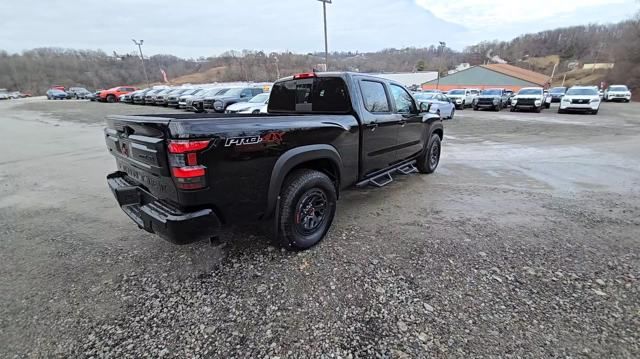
252 106
528 98
617 93
462 97
580 98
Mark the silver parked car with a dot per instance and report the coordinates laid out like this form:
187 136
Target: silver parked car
437 103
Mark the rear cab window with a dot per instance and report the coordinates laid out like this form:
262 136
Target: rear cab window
310 95
374 96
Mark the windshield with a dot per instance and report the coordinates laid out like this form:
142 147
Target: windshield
456 92
425 96
530 92
558 90
260 98
491 92
619 88
582 92
233 92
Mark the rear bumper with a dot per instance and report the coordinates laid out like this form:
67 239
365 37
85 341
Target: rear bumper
161 217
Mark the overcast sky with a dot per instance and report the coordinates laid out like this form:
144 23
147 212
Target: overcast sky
204 28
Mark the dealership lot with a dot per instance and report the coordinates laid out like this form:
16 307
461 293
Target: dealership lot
523 243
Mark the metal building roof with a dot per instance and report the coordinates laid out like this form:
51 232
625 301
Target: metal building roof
493 75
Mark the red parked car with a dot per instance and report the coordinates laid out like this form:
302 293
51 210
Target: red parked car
112 94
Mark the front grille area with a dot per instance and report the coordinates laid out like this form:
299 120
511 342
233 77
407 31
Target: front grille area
526 102
580 101
485 101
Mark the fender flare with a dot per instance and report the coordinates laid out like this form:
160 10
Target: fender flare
290 159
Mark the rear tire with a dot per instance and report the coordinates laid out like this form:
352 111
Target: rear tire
307 207
111 99
430 158
453 112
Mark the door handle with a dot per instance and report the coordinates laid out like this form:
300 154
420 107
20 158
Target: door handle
372 126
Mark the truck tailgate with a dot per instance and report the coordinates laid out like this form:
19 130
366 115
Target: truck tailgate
139 146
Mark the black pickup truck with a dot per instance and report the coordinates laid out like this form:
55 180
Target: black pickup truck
182 176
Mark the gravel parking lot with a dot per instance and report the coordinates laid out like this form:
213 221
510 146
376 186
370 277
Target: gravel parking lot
524 243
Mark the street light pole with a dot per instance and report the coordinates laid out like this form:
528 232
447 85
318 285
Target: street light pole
144 69
326 43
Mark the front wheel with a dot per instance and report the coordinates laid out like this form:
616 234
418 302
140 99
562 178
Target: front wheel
307 207
111 99
475 108
430 158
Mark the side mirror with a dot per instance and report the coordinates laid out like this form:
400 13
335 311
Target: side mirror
424 107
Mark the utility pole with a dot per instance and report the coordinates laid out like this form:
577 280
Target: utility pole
326 43
277 68
441 47
144 69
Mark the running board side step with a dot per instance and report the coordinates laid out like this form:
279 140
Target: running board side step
384 178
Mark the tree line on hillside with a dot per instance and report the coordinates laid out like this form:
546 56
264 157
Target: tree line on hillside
35 70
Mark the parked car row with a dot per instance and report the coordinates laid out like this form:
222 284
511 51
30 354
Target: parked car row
236 99
6 95
60 93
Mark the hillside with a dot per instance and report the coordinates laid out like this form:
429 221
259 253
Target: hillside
35 70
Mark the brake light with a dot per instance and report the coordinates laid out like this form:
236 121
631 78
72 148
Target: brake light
183 159
180 146
304 75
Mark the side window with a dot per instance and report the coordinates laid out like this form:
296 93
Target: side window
256 91
374 95
404 102
246 93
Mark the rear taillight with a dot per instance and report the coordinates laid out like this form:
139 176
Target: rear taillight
183 159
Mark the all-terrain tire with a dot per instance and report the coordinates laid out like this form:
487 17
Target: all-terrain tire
307 207
430 158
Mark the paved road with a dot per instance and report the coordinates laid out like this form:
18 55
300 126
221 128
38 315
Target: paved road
523 244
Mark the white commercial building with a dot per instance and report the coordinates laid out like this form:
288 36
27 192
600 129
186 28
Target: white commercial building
410 78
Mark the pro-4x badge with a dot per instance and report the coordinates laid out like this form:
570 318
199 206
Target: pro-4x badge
268 138
239 141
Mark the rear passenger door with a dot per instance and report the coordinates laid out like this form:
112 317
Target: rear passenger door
379 127
409 122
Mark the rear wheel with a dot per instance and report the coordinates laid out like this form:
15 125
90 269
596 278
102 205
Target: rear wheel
111 99
430 158
255 112
453 112
307 208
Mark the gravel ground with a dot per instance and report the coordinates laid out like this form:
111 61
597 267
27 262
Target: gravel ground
525 243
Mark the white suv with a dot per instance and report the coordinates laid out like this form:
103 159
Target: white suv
580 98
617 92
528 98
462 98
